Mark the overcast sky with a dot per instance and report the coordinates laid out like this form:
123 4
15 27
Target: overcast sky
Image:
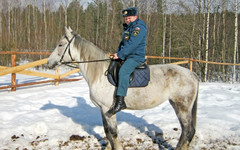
83 2
54 4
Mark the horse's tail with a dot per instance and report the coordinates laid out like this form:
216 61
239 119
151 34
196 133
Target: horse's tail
194 109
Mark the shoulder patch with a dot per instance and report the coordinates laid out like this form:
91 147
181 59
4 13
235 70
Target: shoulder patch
137 28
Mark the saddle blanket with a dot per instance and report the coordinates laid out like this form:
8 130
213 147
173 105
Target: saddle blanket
139 78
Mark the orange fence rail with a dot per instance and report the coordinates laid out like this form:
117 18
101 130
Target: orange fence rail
194 60
22 70
57 77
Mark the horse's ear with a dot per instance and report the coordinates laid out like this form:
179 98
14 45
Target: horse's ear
65 29
68 32
70 29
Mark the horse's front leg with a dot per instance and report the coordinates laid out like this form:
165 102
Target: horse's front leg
111 131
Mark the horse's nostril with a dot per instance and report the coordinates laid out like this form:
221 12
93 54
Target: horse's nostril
50 65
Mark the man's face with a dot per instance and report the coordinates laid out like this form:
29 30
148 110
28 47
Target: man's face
129 19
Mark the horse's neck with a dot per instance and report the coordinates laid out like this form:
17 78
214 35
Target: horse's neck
93 71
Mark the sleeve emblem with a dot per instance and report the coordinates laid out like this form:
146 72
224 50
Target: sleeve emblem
136 31
126 37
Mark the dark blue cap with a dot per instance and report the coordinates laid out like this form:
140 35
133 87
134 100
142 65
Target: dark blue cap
131 11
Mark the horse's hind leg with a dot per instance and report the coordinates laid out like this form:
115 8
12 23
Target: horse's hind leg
110 128
186 119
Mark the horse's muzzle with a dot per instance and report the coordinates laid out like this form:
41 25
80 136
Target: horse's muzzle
51 65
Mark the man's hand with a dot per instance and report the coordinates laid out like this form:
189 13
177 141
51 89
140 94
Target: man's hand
115 56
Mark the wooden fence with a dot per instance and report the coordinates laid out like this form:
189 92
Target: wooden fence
58 78
22 70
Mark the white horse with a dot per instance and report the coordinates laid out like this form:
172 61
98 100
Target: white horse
167 82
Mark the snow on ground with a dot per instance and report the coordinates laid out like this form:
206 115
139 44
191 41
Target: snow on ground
63 117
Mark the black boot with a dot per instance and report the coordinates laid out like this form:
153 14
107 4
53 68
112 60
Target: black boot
118 105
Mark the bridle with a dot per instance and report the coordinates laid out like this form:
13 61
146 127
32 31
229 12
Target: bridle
69 52
68 47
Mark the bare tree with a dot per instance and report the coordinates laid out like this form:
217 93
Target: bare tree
45 24
9 22
170 37
201 28
126 3
107 26
236 41
164 29
113 19
29 26
214 33
35 24
65 3
207 41
78 17
192 37
224 39
1 42
97 28
134 3
216 6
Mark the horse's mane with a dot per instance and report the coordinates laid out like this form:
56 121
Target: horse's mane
90 52
88 49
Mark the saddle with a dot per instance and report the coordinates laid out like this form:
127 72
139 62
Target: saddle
139 78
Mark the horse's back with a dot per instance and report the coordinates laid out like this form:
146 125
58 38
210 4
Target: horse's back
167 81
177 81
172 71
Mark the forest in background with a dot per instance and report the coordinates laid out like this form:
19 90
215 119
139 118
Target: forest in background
198 29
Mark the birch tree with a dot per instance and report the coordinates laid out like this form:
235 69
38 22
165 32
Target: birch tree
216 7
113 20
78 18
214 32
1 42
9 23
45 24
164 29
224 40
192 37
133 3
207 41
107 24
199 30
35 24
65 4
170 37
29 26
97 23
200 35
236 42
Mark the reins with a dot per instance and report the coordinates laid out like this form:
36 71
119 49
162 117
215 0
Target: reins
81 62
87 61
78 62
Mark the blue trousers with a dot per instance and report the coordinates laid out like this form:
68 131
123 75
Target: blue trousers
124 74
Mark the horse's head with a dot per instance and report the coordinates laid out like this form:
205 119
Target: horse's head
63 51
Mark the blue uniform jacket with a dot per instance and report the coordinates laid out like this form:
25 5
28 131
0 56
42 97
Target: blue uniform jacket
133 41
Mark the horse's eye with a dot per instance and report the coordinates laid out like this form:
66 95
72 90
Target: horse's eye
60 45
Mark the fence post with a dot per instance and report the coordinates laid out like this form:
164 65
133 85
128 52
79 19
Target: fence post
13 81
190 64
57 73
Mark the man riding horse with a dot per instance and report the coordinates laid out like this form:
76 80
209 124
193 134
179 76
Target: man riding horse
169 82
132 51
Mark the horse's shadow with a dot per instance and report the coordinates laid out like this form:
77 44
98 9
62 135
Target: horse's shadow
89 117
